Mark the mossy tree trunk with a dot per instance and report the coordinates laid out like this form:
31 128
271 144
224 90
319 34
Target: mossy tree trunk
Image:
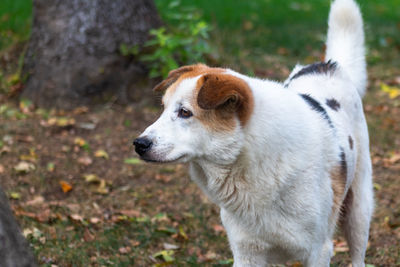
73 55
14 250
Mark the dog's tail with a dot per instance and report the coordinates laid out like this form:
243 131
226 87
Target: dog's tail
345 42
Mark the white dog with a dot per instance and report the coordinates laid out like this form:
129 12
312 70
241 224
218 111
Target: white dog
285 162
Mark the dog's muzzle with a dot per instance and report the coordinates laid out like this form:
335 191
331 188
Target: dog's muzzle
142 145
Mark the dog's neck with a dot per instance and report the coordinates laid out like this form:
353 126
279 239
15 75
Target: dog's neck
233 186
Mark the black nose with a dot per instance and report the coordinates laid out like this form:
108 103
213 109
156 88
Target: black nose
142 145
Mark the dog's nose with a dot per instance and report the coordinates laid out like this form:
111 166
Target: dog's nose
142 145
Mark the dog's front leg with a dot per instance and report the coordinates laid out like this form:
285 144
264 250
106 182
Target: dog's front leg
247 250
248 253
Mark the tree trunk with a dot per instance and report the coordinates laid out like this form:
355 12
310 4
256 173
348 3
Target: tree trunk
14 250
73 55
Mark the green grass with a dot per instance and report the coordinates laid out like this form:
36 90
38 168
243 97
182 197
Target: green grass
15 21
292 27
252 28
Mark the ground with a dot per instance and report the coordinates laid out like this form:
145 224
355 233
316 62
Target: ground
83 198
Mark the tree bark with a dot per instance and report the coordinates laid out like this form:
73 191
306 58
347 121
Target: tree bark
73 55
14 250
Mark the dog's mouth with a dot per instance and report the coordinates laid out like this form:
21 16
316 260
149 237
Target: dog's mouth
163 161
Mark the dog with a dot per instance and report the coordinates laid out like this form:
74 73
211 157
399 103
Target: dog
287 163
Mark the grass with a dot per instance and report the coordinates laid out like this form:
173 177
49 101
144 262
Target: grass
291 28
15 21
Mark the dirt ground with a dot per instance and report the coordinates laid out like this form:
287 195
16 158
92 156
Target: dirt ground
83 198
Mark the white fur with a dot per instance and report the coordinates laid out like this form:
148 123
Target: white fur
271 178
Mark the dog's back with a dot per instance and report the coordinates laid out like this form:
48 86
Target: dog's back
335 87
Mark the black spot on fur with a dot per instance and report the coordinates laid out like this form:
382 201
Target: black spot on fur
333 104
343 164
316 68
315 105
351 142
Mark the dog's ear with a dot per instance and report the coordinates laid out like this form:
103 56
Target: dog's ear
226 93
173 76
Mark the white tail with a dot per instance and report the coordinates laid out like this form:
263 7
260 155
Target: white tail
345 42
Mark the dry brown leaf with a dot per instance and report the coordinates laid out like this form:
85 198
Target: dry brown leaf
65 186
88 236
24 167
163 178
394 158
1 169
101 154
44 216
131 213
94 220
35 201
85 160
76 217
218 228
124 250
103 188
341 247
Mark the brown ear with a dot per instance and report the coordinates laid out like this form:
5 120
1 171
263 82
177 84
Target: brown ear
173 76
225 92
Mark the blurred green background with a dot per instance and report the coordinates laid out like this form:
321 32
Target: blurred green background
263 26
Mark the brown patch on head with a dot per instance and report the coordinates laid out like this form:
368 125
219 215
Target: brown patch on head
339 180
176 76
226 95
351 143
173 76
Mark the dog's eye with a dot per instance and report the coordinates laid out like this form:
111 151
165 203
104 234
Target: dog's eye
184 113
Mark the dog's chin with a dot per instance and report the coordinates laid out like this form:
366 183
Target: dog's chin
155 159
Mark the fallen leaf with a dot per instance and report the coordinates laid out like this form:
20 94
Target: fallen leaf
102 188
80 110
163 178
131 213
94 220
101 154
218 228
88 236
392 91
134 243
15 195
50 167
1 169
26 139
25 105
166 255
35 201
91 178
124 250
76 217
85 160
394 158
24 167
341 247
60 122
87 125
5 149
133 161
65 186
79 141
182 233
44 215
168 246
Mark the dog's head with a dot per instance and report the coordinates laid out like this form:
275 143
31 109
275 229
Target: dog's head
205 111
